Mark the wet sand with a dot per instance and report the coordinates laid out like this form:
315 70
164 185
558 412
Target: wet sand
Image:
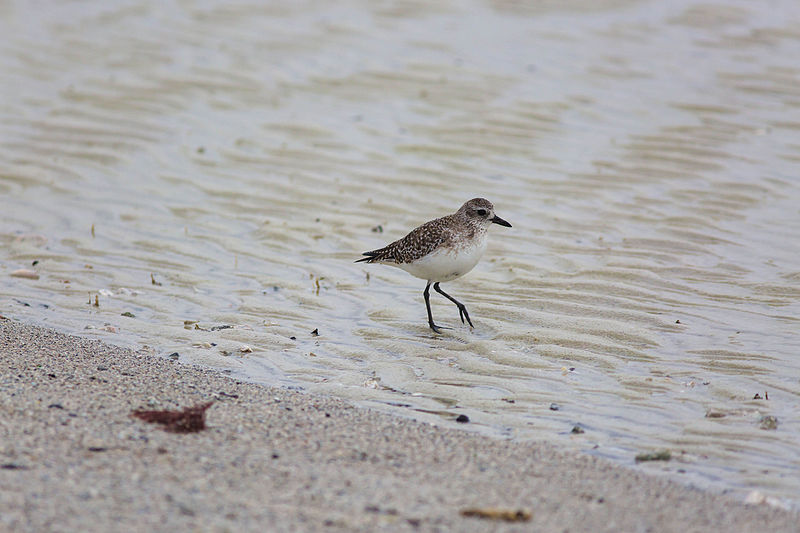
74 459
192 166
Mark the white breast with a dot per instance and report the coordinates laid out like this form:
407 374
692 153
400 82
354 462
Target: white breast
446 264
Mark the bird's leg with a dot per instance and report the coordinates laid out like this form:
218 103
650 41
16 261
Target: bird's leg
426 293
462 309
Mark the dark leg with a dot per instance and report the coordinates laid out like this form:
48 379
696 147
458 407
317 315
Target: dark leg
462 309
427 294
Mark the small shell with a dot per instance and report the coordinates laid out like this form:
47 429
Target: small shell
25 273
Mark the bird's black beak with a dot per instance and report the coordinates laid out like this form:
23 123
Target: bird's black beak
497 220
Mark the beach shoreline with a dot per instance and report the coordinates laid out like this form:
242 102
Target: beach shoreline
73 458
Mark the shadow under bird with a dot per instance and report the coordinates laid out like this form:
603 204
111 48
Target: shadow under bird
442 250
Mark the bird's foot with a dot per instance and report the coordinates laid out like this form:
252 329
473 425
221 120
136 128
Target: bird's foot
462 312
437 329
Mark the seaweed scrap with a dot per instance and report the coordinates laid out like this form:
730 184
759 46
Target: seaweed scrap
493 513
661 455
190 420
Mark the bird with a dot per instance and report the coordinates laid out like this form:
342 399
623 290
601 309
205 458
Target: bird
442 250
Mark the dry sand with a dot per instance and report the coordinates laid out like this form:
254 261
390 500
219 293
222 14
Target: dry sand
73 459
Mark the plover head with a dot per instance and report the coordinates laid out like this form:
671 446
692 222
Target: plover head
481 211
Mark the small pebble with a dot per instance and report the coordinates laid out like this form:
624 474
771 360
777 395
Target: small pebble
577 430
174 356
462 419
554 407
13 466
768 422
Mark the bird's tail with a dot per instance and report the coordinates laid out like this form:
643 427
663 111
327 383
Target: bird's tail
374 255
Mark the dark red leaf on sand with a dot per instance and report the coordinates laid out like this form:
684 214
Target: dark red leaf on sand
190 420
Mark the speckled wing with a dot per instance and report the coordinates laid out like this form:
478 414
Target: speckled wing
419 243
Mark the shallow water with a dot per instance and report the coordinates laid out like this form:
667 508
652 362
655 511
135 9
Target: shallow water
220 164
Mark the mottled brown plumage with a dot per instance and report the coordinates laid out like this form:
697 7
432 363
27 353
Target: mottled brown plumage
449 231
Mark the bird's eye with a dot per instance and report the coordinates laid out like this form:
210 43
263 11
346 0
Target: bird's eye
482 212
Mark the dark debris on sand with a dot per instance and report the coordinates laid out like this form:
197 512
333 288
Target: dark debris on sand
190 420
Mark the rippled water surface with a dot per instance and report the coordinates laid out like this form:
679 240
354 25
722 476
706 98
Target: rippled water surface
199 165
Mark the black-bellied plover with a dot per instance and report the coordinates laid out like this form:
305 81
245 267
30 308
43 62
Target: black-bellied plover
442 250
